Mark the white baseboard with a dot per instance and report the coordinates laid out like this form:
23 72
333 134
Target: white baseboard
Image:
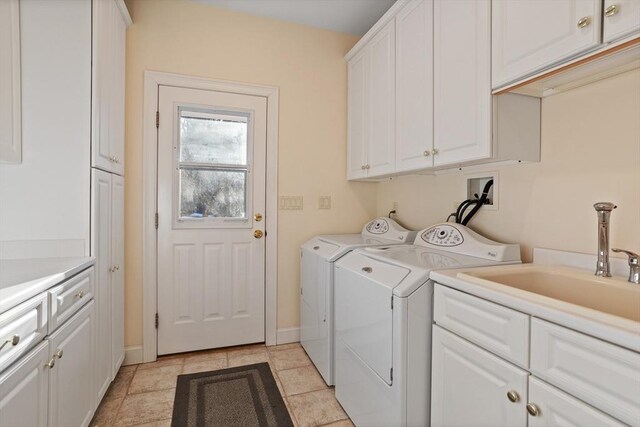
132 355
287 335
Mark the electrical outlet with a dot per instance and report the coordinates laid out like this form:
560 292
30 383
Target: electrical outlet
395 206
324 202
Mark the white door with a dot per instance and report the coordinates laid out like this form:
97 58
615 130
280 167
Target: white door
381 152
462 81
101 195
117 273
530 35
211 205
71 401
621 19
414 86
557 408
24 390
358 111
469 385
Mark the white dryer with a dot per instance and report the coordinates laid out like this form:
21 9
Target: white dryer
383 319
318 256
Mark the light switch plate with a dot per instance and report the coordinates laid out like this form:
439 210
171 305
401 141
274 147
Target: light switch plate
324 202
291 203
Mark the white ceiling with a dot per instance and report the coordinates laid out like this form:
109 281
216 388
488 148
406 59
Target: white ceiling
346 16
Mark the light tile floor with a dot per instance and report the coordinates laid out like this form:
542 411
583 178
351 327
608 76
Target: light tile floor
142 395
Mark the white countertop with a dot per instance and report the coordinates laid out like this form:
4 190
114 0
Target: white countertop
23 279
614 329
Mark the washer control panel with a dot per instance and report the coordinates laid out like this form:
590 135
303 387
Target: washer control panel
457 238
442 235
388 229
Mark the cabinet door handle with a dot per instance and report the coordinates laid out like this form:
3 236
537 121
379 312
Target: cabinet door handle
367 269
513 396
434 151
533 410
366 166
51 363
611 10
426 153
80 294
58 353
14 340
583 22
362 167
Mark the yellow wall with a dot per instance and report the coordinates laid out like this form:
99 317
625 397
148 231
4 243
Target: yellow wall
590 153
307 65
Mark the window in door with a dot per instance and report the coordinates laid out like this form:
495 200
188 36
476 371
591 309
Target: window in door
212 158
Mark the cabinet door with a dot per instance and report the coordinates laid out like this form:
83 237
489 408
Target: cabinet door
101 250
117 276
462 83
71 400
24 390
357 116
621 19
382 103
469 385
108 83
557 408
414 86
531 35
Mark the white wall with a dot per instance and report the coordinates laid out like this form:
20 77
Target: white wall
590 153
44 202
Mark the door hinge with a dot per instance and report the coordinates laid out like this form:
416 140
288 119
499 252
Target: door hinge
391 302
157 119
156 220
157 320
391 374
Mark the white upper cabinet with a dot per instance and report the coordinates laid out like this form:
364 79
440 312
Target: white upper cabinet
621 19
109 28
357 116
462 81
382 105
531 35
414 86
371 107
10 109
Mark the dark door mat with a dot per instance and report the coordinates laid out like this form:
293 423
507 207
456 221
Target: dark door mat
243 396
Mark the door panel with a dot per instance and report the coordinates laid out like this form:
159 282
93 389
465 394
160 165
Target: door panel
211 182
462 82
358 116
414 86
101 249
530 35
470 385
117 275
623 21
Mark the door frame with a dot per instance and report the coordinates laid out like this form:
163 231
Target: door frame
152 82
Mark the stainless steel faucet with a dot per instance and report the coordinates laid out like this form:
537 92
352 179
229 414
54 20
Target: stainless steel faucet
604 212
634 265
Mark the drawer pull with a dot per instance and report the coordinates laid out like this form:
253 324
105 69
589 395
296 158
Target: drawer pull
51 363
583 22
58 353
533 410
611 10
14 340
80 294
513 396
367 269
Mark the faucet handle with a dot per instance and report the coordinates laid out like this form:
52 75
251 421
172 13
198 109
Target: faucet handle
634 258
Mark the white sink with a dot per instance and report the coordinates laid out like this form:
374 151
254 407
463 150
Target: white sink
613 296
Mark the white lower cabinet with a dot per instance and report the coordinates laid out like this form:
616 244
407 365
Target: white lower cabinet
24 390
574 379
71 400
108 248
470 385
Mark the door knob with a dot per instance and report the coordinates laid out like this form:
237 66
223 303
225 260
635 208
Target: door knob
258 217
611 10
533 410
258 234
583 22
513 396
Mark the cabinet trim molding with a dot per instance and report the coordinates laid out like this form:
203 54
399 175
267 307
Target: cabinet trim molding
11 138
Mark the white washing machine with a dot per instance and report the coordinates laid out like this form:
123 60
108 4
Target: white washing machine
383 319
318 256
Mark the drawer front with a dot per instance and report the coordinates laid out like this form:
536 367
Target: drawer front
498 329
22 328
66 299
599 373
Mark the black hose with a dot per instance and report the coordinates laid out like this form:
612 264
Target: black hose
461 208
480 202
